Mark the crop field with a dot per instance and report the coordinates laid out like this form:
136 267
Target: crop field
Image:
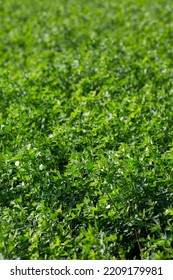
86 129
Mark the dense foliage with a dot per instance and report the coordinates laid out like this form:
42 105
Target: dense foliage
86 129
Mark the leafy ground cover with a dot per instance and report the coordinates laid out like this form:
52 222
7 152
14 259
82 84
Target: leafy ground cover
86 129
